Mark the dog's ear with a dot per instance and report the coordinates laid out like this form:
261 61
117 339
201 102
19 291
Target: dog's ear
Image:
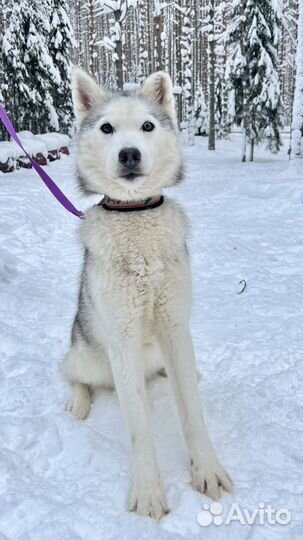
158 88
86 93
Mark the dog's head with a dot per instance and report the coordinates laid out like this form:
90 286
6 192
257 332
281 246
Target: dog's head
128 145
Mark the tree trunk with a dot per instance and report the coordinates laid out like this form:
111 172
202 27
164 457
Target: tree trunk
186 42
252 149
142 40
178 23
150 38
158 22
118 51
244 123
92 39
297 117
212 68
78 33
244 138
119 65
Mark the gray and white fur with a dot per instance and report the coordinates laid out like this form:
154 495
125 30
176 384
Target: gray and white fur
135 294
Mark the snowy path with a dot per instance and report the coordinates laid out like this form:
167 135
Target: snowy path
61 480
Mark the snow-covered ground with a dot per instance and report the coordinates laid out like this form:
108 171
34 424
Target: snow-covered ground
63 480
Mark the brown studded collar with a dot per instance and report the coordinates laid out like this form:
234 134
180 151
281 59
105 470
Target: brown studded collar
131 206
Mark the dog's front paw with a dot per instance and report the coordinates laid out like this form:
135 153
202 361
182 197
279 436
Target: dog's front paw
147 499
210 478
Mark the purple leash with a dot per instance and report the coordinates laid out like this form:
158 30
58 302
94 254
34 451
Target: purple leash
50 184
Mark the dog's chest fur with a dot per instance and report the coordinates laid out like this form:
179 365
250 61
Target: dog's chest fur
133 257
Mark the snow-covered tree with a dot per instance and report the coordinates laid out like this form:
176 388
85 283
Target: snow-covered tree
123 41
176 48
142 41
3 82
3 78
118 10
13 52
28 65
253 36
77 24
89 12
297 122
159 33
287 56
187 65
61 43
221 86
213 27
210 26
201 114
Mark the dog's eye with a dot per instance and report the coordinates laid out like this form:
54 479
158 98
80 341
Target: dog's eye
107 129
148 126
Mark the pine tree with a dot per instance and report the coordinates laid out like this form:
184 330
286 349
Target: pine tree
297 123
61 43
14 67
253 35
29 67
44 75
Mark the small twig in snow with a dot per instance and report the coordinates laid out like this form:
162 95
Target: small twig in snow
242 282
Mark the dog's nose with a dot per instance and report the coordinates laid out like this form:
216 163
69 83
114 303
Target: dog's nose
130 158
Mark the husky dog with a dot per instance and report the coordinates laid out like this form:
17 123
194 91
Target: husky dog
135 294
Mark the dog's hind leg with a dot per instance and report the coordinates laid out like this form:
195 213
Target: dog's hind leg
85 367
72 368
